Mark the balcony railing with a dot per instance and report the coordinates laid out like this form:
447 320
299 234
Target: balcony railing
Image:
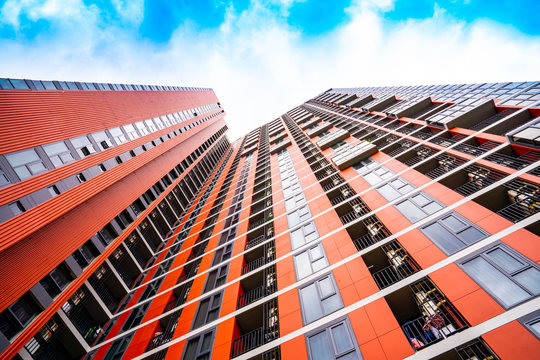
368 239
251 296
392 274
247 342
252 265
255 242
479 177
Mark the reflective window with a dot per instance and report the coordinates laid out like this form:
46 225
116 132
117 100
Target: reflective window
297 216
83 146
507 275
310 261
319 299
26 163
336 341
452 233
118 135
303 235
58 153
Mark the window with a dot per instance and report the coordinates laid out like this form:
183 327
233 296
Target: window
142 128
118 135
378 175
310 261
18 315
319 299
83 146
216 278
57 280
102 140
303 235
4 181
130 130
418 207
16 208
336 341
26 163
53 190
295 201
507 275
365 165
81 177
208 310
58 153
452 233
297 216
200 347
395 189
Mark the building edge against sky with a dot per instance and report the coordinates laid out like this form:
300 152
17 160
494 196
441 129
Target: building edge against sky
366 223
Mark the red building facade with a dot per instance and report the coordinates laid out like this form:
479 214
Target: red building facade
366 223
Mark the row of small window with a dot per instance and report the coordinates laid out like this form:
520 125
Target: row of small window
17 316
415 208
30 162
25 84
29 201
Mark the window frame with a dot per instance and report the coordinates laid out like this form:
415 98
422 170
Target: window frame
482 253
468 225
311 260
331 340
321 298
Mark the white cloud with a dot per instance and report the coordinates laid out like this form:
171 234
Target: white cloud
260 67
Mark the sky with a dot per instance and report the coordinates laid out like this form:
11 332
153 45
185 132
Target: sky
264 57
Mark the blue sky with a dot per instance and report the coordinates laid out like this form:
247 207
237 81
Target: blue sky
277 51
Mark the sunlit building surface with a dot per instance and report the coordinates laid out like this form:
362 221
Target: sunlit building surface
366 223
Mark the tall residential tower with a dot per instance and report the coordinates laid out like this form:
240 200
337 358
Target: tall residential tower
366 223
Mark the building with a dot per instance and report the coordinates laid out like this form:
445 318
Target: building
366 223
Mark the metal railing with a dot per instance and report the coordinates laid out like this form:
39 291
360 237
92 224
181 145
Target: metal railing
247 342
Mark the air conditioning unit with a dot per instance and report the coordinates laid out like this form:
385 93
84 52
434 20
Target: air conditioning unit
373 229
515 196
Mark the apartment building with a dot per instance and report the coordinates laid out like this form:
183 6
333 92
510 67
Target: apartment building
366 223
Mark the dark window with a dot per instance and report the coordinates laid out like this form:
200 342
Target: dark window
16 208
200 347
216 278
208 310
18 315
57 280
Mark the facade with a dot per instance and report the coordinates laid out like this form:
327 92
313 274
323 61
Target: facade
366 223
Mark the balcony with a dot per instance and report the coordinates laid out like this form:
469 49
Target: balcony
509 158
425 315
107 286
256 327
337 196
445 164
280 146
351 210
417 155
125 266
473 350
515 200
472 179
367 232
257 286
390 263
259 257
86 314
354 154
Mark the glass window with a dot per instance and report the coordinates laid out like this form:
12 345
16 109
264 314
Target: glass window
26 163
4 181
118 135
83 146
336 341
297 216
319 299
310 261
208 310
130 130
102 140
58 153
303 235
508 276
199 347
411 211
452 233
